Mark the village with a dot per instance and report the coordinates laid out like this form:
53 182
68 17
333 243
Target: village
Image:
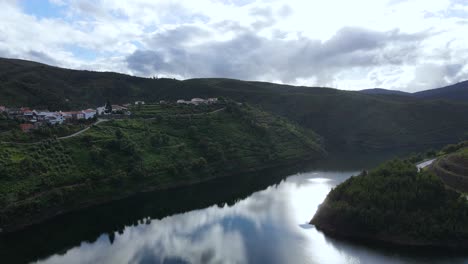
32 119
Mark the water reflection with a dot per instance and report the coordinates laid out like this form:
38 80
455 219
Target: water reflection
266 227
260 229
250 219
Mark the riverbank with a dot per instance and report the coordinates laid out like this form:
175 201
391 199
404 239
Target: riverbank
119 158
328 227
396 204
21 223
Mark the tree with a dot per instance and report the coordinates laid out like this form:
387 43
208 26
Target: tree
108 107
118 134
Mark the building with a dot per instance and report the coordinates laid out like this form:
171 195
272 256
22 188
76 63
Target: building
56 119
78 115
2 108
101 110
67 115
197 101
89 113
212 100
29 115
116 109
74 115
26 127
13 112
139 102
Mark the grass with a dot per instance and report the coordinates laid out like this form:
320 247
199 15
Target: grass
121 157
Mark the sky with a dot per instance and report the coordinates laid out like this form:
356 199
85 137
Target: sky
408 45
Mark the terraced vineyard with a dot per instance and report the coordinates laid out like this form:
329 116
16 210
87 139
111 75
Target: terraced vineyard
453 170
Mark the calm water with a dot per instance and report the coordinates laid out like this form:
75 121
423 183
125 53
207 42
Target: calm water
250 219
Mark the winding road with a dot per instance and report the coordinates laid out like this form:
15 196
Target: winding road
105 120
83 130
424 164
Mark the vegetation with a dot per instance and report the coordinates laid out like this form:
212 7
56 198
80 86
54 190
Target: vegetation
453 168
14 134
398 204
433 153
121 157
347 120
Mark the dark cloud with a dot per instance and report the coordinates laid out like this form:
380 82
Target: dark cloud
177 37
250 56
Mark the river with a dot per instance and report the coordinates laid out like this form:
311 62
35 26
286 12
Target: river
255 218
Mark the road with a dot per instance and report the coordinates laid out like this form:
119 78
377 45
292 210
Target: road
424 164
83 130
104 120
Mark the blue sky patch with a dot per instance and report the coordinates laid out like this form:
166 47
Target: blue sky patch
42 9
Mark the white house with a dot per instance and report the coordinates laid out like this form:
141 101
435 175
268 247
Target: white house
101 110
89 113
54 119
212 100
139 102
197 101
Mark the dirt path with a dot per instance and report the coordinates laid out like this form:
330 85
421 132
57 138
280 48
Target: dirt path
59 138
83 130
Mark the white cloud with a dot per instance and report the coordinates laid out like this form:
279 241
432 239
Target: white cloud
282 36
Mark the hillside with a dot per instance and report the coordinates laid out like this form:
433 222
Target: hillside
396 204
161 146
384 92
456 92
346 120
453 169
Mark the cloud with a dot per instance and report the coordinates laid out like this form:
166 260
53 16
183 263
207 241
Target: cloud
40 56
248 56
296 42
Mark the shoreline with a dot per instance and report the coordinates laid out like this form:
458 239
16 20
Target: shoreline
50 213
387 241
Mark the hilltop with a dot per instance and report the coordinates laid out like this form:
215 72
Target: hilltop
456 92
160 146
346 120
384 92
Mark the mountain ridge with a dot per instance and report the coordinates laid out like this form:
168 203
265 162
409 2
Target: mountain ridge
346 119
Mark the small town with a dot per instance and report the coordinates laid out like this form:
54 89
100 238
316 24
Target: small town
34 119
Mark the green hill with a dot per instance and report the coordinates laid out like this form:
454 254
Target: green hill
346 120
453 169
161 146
456 92
396 204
